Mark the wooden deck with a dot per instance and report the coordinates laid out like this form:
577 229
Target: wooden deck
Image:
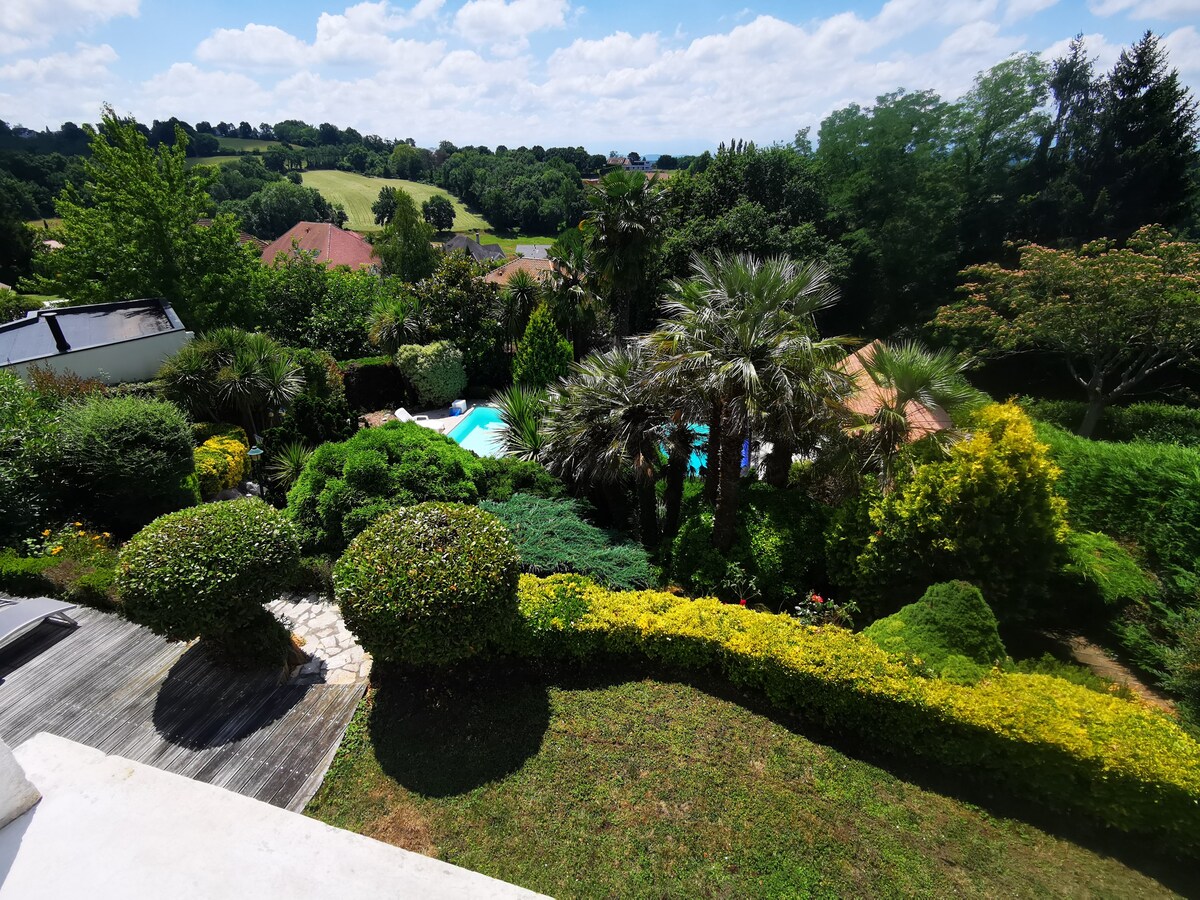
118 687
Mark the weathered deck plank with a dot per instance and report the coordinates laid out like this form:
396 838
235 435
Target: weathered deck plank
117 687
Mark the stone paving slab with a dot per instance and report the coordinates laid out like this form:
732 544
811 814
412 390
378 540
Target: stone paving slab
335 656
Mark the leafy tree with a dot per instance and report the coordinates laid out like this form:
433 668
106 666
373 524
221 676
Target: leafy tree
459 306
1148 140
1114 316
270 212
132 230
438 211
404 246
384 206
543 354
623 231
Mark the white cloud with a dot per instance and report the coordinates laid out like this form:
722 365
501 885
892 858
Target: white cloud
253 45
73 84
1098 48
507 24
206 95
31 23
1016 10
1184 47
1147 9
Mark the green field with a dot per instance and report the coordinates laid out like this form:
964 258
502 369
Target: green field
211 160
358 192
582 786
245 145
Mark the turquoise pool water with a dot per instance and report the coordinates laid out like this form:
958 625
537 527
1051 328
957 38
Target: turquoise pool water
479 431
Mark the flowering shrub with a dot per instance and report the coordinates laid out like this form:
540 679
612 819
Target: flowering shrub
1072 749
207 571
435 371
74 562
817 610
429 584
221 463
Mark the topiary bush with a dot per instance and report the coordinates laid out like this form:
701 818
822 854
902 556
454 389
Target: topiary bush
951 631
989 515
222 462
345 486
428 585
125 461
435 371
206 572
552 536
1073 750
777 556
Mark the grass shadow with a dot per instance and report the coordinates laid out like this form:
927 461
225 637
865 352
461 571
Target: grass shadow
445 734
203 703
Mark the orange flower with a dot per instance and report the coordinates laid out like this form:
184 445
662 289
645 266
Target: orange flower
57 550
46 533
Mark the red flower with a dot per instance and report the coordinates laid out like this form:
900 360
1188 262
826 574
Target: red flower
817 598
742 601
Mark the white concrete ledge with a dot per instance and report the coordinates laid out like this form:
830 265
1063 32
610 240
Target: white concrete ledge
16 793
111 828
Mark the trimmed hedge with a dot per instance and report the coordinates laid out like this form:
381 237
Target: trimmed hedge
501 477
207 572
25 576
1072 749
1161 423
552 536
429 584
346 486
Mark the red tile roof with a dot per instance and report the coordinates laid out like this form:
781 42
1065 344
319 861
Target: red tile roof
334 247
538 268
869 397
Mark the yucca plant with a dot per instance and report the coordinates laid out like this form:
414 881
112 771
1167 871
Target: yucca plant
287 465
521 412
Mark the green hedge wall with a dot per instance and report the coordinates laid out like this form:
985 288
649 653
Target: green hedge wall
1071 749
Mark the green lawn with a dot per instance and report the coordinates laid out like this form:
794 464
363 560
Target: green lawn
589 788
357 193
245 145
211 160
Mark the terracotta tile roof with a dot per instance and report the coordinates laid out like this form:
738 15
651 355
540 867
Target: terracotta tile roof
538 268
869 397
334 246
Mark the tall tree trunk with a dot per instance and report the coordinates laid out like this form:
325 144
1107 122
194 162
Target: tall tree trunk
1095 409
648 512
712 460
725 514
677 462
778 464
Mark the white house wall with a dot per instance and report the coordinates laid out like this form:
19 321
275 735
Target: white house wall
135 360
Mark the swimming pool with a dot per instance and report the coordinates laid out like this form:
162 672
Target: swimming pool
479 431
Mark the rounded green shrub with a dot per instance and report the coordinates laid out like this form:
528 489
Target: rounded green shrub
206 572
429 584
345 486
435 371
951 630
125 460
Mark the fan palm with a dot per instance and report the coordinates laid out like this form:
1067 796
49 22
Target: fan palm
396 321
521 412
570 297
741 334
519 298
913 380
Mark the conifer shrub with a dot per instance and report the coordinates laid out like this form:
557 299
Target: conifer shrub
345 486
950 631
502 476
206 572
434 370
1103 574
543 354
428 585
552 536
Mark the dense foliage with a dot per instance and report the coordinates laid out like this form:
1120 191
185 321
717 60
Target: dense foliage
543 355
1159 423
124 461
222 461
27 495
206 572
434 370
430 584
553 536
346 486
514 189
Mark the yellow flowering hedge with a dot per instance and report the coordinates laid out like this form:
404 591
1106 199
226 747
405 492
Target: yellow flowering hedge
1072 749
222 462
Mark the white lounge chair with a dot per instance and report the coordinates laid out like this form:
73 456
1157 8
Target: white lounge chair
405 416
20 616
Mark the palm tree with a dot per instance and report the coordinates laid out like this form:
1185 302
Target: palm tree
570 298
519 298
289 462
396 321
521 412
920 391
623 230
741 335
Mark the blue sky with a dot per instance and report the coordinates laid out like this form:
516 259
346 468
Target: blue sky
655 77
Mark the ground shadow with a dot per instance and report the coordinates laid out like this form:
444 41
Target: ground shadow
441 735
30 645
204 703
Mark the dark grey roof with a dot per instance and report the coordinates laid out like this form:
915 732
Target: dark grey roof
94 325
533 251
479 252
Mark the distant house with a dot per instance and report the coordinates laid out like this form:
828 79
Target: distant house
868 397
114 342
538 268
641 165
533 251
477 251
333 246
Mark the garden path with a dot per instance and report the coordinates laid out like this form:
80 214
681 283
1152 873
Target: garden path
115 686
1093 656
